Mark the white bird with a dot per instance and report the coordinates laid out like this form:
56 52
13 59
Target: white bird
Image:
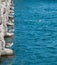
9 44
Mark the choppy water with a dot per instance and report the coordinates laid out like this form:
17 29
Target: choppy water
35 32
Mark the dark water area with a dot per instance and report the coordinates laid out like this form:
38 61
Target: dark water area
35 32
6 60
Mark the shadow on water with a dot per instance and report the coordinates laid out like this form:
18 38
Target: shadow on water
7 60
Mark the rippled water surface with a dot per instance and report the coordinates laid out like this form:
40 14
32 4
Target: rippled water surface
35 32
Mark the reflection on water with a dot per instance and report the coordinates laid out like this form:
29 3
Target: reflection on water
6 60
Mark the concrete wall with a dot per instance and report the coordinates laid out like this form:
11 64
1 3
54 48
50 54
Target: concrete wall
6 17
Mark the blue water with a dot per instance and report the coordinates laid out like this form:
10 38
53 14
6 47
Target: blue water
35 32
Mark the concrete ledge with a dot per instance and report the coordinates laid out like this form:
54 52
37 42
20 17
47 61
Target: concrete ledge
9 34
10 24
7 52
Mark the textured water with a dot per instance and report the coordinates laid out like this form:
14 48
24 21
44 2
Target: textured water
35 32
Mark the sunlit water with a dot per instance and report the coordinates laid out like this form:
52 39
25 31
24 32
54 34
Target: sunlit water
35 32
